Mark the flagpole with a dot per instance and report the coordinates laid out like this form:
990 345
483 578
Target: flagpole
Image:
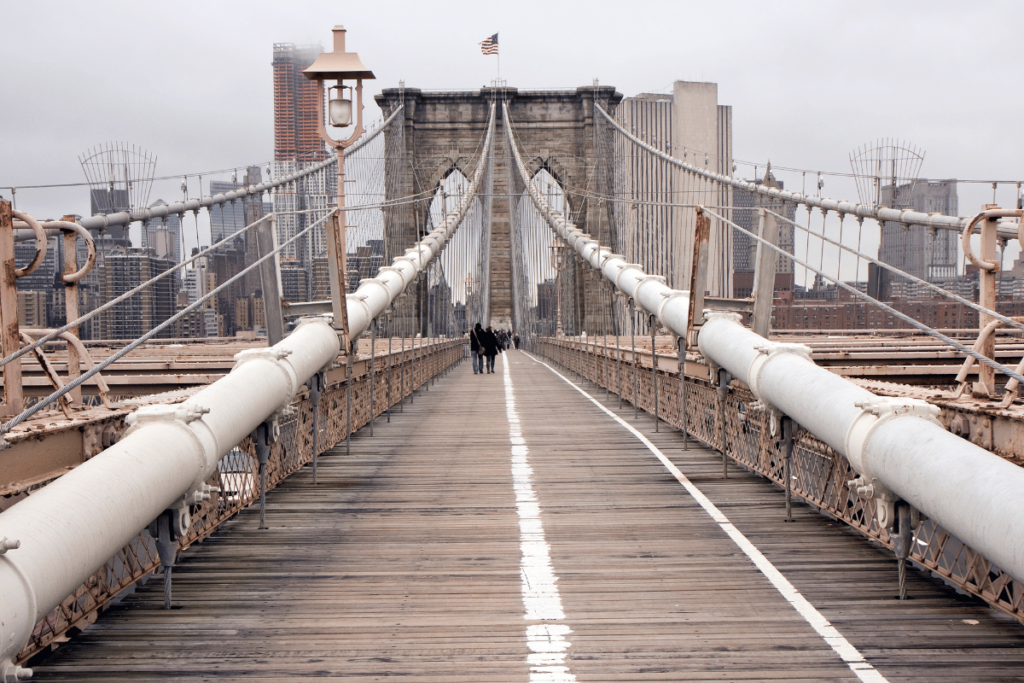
490 46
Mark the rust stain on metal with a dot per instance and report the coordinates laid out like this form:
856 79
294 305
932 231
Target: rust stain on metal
698 271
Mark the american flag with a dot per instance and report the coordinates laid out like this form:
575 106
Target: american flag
490 45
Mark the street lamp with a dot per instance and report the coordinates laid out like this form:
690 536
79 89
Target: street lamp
559 261
470 287
339 66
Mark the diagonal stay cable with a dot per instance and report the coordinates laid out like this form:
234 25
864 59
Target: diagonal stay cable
875 302
50 336
53 334
5 428
99 222
904 274
879 213
121 353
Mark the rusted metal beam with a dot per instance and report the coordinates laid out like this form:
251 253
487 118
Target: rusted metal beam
698 272
304 308
336 257
71 306
987 294
10 336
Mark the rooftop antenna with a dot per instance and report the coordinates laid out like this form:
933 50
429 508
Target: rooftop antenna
887 163
120 177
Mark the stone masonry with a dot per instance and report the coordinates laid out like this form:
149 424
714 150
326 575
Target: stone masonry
554 130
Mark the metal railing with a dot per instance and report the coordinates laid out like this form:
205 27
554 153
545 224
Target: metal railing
394 377
905 460
818 474
185 443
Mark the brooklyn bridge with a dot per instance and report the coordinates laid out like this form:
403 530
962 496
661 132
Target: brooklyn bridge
660 481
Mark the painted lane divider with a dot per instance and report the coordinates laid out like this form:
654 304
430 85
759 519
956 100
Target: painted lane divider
846 651
547 641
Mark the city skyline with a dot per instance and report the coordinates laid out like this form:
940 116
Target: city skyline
796 110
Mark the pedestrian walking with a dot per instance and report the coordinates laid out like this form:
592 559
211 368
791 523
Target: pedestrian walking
490 343
476 348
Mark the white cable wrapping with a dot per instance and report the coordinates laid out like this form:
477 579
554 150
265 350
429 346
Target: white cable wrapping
895 444
70 528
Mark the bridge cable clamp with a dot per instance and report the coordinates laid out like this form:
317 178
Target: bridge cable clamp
180 510
769 351
374 281
608 254
658 279
876 412
717 314
774 348
623 267
275 356
181 415
186 413
666 298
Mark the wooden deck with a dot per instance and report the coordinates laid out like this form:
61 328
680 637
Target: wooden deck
406 561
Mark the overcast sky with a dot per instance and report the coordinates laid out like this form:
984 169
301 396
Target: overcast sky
808 80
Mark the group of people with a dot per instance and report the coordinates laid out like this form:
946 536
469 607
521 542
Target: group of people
506 339
486 344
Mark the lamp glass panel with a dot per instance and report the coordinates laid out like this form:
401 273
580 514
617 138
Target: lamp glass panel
341 113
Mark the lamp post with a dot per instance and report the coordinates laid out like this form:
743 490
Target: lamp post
339 66
470 286
559 260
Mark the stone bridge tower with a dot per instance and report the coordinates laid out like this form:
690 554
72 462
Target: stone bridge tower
555 130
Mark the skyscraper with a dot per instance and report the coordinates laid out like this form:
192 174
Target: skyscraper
297 144
163 235
691 126
922 252
294 285
229 217
125 269
744 254
295 105
44 280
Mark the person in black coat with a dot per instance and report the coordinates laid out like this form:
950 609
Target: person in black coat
490 343
476 348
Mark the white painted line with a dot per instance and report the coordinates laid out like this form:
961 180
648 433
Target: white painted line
849 654
547 641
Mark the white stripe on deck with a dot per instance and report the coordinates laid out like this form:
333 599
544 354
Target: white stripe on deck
547 641
849 654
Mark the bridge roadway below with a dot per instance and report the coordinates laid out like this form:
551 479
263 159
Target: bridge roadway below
412 558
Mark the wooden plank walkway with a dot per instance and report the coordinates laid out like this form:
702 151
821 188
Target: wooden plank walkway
406 561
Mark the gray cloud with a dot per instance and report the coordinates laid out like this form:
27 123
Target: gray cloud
809 81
